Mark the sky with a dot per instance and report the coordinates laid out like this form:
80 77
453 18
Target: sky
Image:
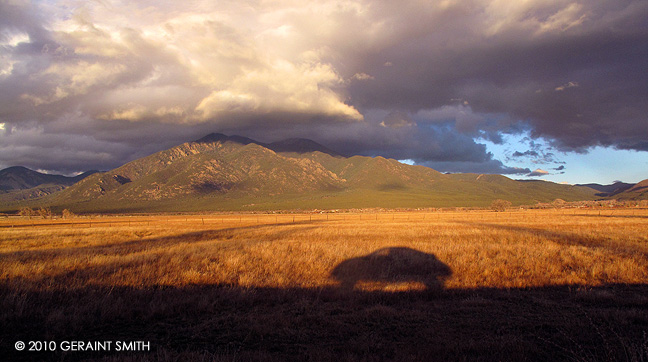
533 89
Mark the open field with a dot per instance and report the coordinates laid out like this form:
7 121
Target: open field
476 285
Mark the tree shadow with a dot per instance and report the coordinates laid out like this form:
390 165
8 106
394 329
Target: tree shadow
139 244
612 216
614 246
391 266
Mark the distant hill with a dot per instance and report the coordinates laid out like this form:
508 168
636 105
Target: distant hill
220 172
20 183
22 178
609 190
638 191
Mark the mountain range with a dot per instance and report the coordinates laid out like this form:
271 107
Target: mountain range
21 178
219 172
638 191
609 190
20 183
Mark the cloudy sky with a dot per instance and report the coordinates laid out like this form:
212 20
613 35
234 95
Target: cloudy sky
547 89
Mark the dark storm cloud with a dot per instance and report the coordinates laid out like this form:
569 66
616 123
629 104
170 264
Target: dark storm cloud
69 152
16 17
539 156
525 153
105 82
579 82
539 152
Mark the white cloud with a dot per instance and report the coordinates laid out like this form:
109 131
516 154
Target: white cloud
362 76
538 173
532 17
565 86
397 120
283 87
14 39
225 59
76 79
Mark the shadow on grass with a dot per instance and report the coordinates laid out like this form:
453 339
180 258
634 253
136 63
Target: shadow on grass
221 322
142 242
228 322
612 216
392 265
614 246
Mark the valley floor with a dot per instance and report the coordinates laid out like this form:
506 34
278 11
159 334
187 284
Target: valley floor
566 284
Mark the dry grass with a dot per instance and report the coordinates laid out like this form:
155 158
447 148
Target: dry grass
566 284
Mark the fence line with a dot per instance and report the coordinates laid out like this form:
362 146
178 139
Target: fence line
267 219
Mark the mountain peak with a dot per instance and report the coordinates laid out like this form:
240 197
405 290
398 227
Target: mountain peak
297 145
300 145
212 137
219 137
14 169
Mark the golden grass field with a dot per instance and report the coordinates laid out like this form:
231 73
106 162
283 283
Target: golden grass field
567 284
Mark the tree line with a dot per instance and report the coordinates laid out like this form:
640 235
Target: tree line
44 212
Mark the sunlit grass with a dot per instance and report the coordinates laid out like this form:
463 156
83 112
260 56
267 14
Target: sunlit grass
483 249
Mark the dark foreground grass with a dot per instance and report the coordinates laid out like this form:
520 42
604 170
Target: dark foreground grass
225 323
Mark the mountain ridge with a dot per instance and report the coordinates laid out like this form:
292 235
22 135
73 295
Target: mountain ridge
297 145
219 172
19 183
609 190
22 178
638 191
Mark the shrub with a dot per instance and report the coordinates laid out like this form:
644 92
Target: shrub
67 214
500 205
45 212
559 203
27 211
